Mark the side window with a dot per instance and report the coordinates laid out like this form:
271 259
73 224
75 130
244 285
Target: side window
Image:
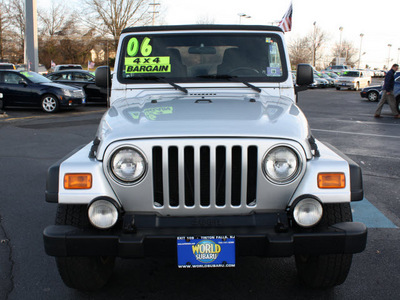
66 76
80 77
55 77
12 78
89 78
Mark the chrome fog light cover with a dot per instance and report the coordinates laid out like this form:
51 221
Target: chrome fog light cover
281 164
128 165
102 214
307 212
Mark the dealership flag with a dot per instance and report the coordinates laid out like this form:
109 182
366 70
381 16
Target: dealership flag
286 22
90 65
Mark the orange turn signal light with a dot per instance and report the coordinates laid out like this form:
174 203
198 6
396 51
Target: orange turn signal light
331 180
77 181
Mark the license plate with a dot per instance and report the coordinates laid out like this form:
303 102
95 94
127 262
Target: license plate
344 84
206 252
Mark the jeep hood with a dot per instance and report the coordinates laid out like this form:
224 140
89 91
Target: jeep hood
190 117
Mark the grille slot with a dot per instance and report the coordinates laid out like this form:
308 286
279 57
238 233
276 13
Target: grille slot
204 176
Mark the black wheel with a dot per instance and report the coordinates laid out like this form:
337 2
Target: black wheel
50 104
373 96
82 273
326 271
338 88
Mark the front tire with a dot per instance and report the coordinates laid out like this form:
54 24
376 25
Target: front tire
82 273
373 96
50 104
326 271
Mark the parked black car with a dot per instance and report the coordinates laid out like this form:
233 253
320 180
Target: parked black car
29 89
372 93
82 79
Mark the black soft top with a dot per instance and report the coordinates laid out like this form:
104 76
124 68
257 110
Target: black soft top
202 27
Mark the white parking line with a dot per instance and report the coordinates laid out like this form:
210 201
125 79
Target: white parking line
358 133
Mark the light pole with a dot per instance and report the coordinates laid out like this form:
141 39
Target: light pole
31 57
359 57
390 46
340 45
243 16
154 12
314 38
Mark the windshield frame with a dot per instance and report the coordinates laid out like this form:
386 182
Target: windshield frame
204 79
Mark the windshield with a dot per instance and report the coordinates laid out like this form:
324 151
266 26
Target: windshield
351 74
35 77
203 57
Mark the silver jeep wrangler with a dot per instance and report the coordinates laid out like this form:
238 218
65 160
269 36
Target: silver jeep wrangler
204 156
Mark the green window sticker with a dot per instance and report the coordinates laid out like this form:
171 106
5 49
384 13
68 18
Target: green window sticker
133 46
26 74
150 64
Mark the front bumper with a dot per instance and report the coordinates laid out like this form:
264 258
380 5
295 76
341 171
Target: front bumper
350 85
66 102
255 236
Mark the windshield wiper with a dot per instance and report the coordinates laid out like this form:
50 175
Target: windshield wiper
232 78
162 79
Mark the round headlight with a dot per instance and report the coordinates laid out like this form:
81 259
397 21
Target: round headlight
102 214
307 212
128 165
281 164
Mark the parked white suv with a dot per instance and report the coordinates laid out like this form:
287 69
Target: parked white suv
354 80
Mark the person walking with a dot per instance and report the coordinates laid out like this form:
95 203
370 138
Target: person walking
387 93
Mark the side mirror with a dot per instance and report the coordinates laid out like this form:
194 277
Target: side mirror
305 75
103 77
23 82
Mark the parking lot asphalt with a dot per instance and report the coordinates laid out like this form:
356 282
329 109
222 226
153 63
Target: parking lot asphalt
31 141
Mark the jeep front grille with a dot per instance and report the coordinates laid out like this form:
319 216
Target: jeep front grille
204 176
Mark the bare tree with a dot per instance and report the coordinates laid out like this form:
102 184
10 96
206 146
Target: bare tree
17 21
318 38
53 21
300 51
112 16
4 23
205 20
347 51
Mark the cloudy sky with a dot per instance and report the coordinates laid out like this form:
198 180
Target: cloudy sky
379 21
379 26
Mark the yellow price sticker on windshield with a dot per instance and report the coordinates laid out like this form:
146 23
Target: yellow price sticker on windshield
156 64
154 60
